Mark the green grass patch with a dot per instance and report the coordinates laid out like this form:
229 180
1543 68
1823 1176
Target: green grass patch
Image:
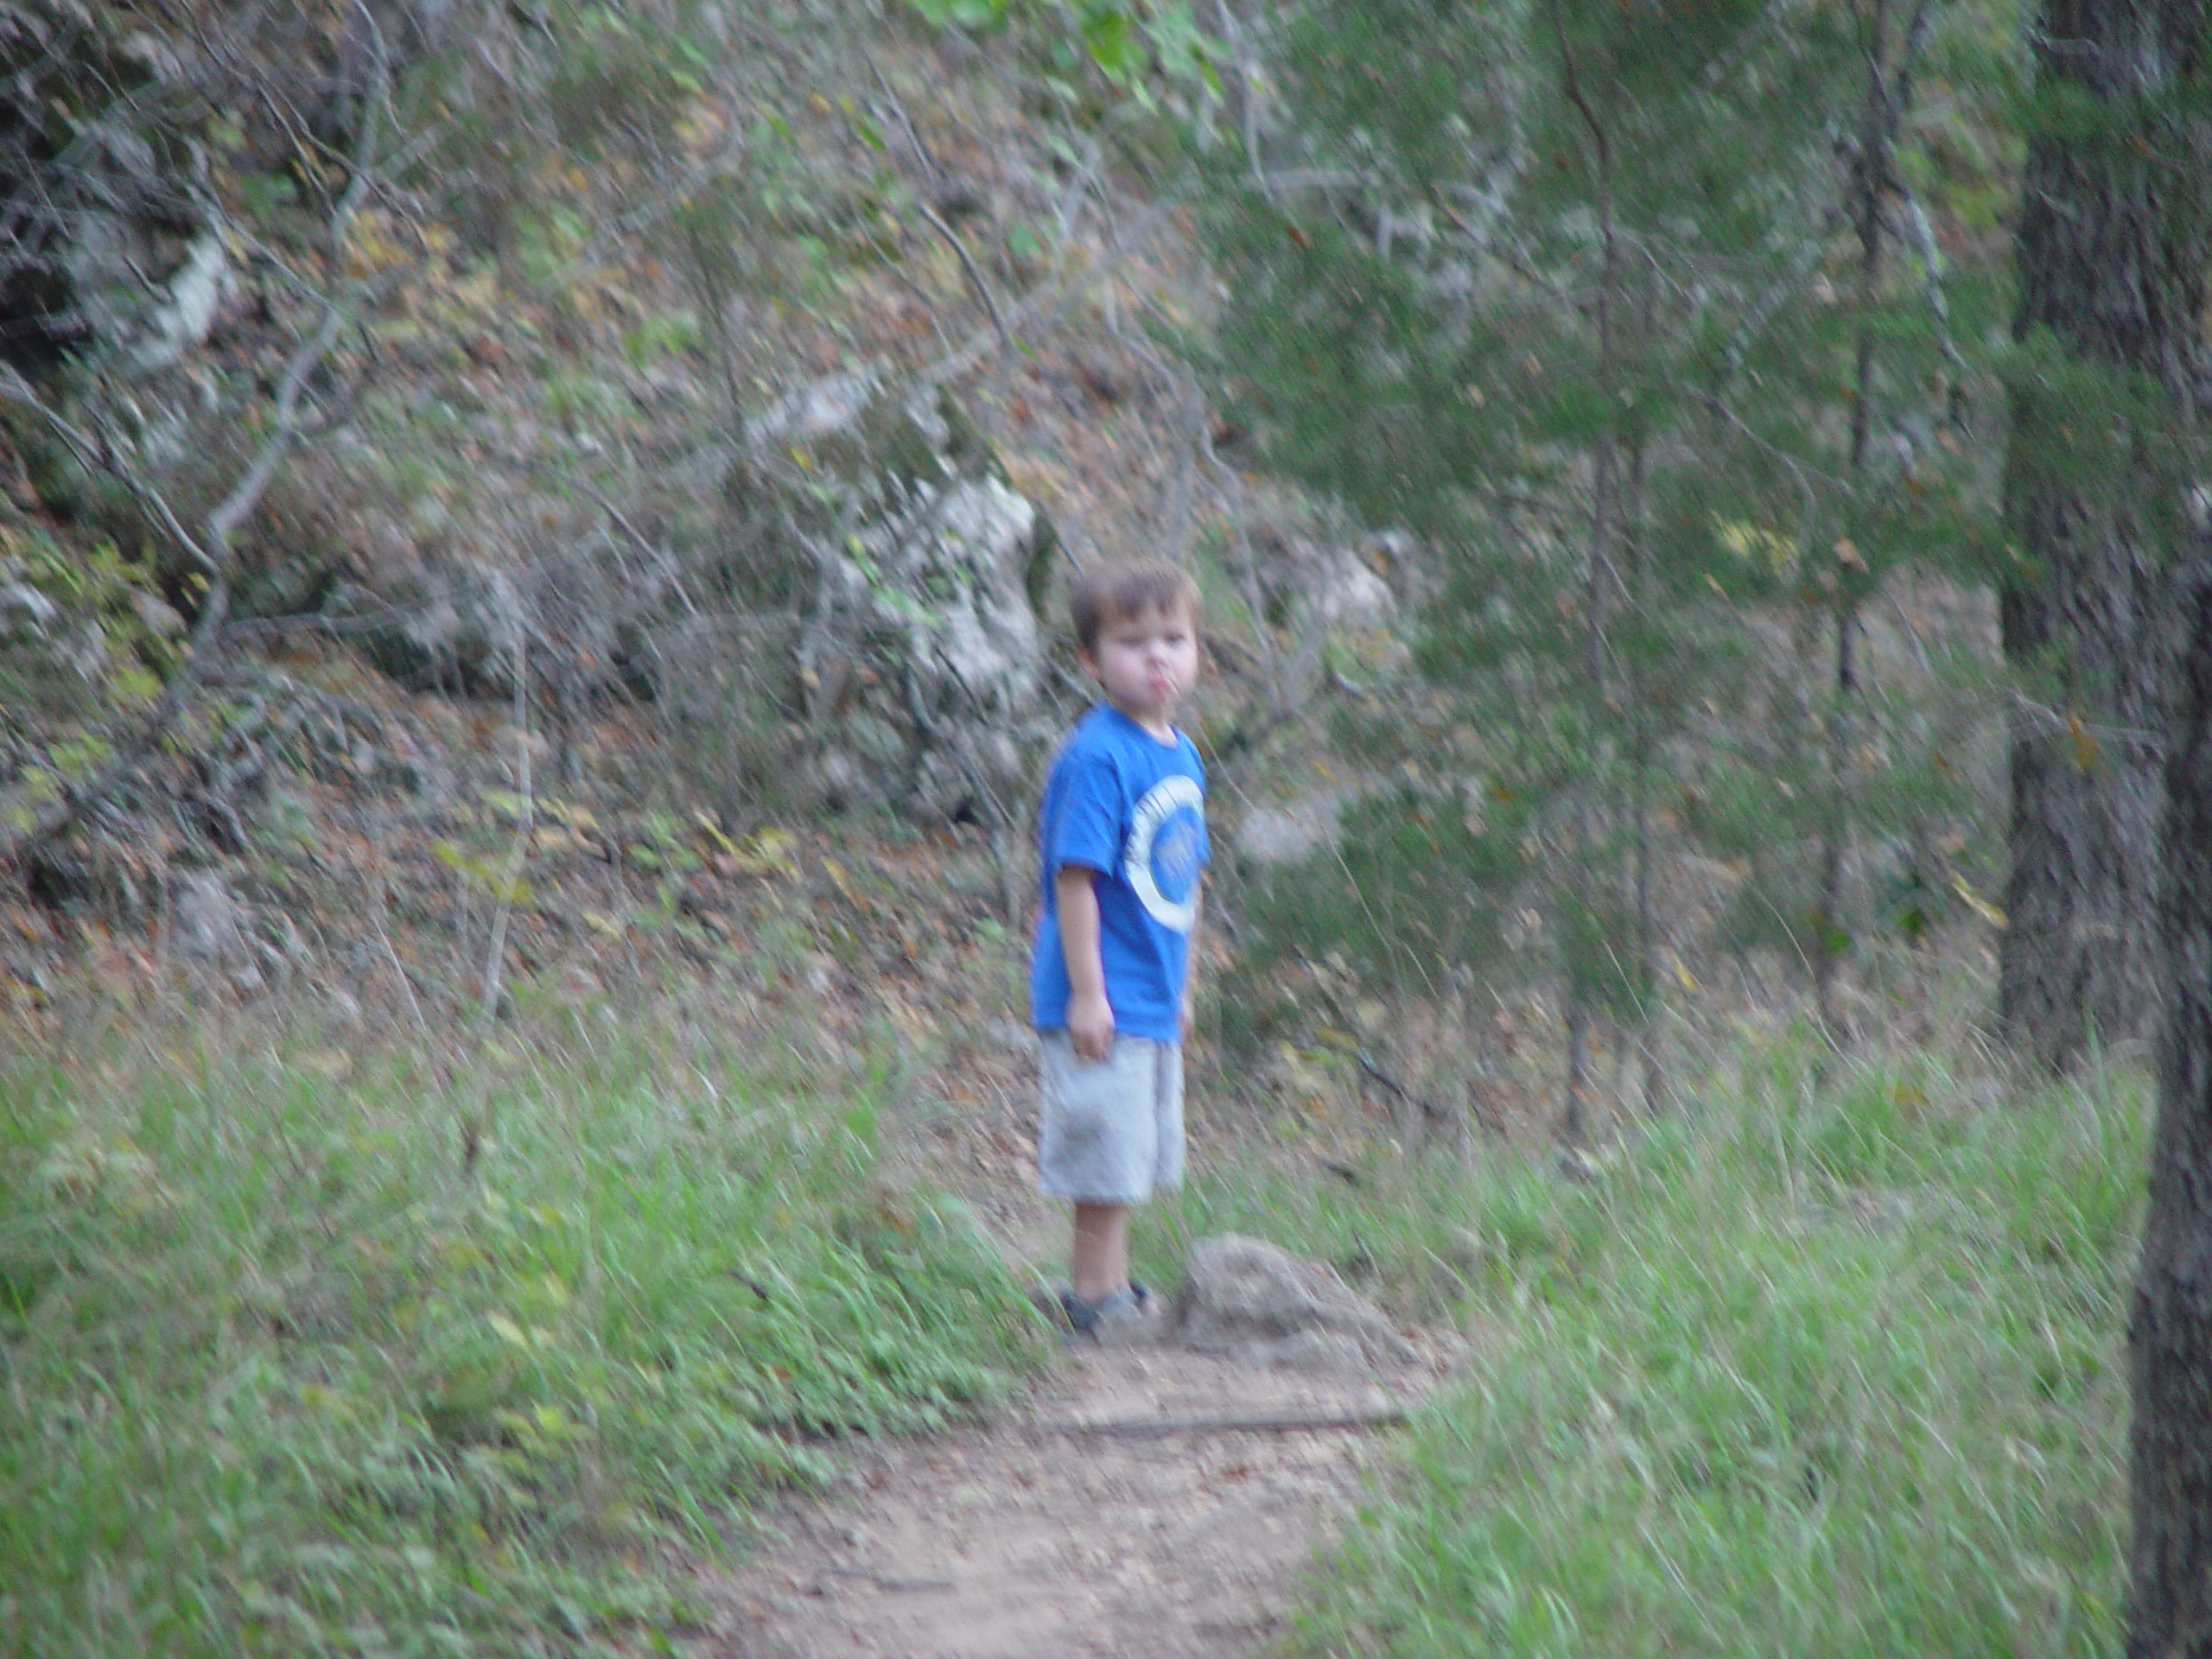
279 1372
1832 1375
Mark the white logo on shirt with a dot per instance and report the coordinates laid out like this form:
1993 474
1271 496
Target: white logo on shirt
1172 806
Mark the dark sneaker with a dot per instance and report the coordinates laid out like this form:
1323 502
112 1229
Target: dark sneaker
1123 1314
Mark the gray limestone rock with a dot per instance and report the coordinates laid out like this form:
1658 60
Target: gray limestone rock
1289 832
875 520
116 240
1248 1298
454 623
206 922
25 613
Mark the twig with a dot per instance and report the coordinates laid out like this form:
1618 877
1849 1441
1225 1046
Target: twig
2041 716
362 175
1292 1422
885 1581
1430 1109
1052 297
398 970
898 108
975 276
495 953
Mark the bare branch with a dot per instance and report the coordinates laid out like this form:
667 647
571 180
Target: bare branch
495 952
1050 299
361 175
975 276
1287 1422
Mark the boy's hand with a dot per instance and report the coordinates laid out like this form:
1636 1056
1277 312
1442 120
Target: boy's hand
1190 974
1091 1025
1090 1017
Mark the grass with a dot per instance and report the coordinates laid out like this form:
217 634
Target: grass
1829 1375
278 1374
1823 1372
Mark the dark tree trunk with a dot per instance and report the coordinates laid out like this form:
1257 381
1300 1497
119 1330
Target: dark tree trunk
2170 1333
2111 253
1600 578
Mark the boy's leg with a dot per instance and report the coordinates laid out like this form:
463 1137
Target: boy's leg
1095 1148
1098 1263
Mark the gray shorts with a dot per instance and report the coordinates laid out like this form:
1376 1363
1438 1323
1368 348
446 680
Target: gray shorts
1113 1128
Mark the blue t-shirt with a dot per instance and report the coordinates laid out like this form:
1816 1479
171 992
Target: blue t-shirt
1122 803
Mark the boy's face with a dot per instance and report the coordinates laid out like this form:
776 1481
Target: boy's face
1144 663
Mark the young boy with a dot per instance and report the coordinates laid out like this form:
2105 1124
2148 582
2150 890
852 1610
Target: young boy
1122 832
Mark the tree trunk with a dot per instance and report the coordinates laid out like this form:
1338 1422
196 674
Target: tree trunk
2111 253
1878 122
1600 581
2170 1333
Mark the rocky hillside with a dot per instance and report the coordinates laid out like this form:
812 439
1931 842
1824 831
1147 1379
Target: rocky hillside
542 495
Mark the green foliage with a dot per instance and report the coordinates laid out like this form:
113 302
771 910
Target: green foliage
1835 1374
103 653
1131 42
1419 888
585 83
1501 278
285 1372
621 74
98 589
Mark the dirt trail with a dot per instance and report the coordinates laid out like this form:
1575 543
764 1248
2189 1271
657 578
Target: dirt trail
1089 1517
1045 1534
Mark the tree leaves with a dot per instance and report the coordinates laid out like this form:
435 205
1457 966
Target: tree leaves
1128 42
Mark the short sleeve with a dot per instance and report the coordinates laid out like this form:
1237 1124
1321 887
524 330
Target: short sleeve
1084 825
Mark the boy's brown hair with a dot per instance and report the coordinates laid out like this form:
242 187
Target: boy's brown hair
1106 594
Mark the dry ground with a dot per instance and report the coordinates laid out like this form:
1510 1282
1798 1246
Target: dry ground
1081 1523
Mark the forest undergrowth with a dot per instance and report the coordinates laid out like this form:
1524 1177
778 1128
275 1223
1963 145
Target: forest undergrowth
400 1355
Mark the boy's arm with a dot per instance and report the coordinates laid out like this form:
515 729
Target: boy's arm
1191 961
1090 1017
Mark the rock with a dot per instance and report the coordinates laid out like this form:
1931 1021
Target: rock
205 923
83 650
453 624
1324 1353
123 247
435 613
1291 832
96 875
1355 597
947 574
829 406
910 672
1248 1298
1325 581
156 615
183 317
25 613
